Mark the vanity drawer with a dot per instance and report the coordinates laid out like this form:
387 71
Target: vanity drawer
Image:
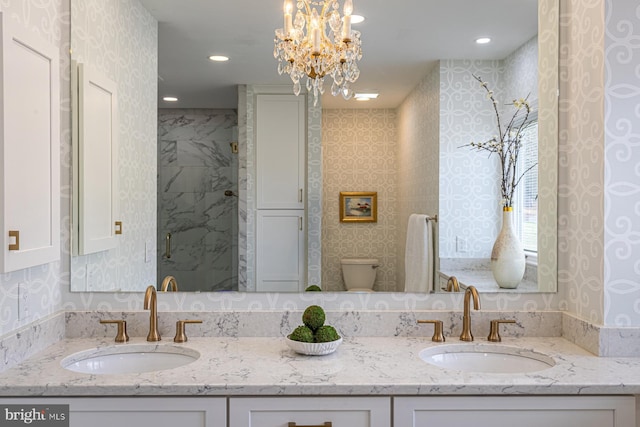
521 411
310 411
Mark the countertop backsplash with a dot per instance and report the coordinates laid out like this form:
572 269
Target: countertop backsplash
602 341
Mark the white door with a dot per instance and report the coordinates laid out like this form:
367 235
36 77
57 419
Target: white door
30 149
280 243
280 151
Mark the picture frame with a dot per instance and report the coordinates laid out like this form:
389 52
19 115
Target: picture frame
358 206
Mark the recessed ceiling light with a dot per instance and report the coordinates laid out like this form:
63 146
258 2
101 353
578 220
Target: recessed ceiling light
356 19
170 99
483 40
219 58
361 96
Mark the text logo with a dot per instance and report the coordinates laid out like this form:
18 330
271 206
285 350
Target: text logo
34 415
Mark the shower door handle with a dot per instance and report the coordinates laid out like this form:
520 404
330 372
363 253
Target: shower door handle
167 246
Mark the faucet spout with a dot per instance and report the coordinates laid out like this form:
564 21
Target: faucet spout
169 282
471 291
151 303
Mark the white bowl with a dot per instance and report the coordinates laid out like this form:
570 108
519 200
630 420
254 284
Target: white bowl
314 348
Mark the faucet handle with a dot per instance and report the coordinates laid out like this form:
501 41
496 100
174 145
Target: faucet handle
121 336
181 336
494 329
438 336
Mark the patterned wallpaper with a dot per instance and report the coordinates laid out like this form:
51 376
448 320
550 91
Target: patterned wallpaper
418 158
359 154
581 207
581 159
548 39
119 39
470 216
621 163
469 180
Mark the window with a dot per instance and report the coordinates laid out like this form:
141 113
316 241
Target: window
526 196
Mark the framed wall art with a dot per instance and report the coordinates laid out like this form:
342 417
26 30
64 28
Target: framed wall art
358 206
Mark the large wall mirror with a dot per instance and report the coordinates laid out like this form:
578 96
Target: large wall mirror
419 55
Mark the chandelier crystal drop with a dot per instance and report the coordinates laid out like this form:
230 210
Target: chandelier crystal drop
316 44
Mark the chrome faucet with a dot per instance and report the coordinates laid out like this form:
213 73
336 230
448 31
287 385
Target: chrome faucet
471 291
151 303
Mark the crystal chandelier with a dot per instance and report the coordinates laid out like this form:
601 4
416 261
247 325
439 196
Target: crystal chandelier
329 47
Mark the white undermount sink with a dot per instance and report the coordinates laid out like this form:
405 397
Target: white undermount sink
129 359
486 358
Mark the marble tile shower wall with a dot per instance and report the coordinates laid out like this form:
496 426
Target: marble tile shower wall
196 167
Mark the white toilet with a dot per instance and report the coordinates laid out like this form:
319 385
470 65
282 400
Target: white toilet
359 273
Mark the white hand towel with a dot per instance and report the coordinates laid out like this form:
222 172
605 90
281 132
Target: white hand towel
418 257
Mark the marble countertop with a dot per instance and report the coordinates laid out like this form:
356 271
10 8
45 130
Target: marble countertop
360 366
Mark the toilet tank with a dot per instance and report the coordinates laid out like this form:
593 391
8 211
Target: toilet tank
359 273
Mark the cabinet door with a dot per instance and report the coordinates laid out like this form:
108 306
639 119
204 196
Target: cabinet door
280 243
310 411
29 149
529 411
280 151
95 146
138 411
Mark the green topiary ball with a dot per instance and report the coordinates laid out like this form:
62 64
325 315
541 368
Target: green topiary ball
302 333
313 288
313 317
326 333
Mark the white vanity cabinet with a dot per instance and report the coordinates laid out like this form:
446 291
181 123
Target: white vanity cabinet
520 411
310 411
137 411
29 148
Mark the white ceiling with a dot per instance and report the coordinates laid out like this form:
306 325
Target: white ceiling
401 40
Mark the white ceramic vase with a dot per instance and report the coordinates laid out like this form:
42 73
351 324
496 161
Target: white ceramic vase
507 255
